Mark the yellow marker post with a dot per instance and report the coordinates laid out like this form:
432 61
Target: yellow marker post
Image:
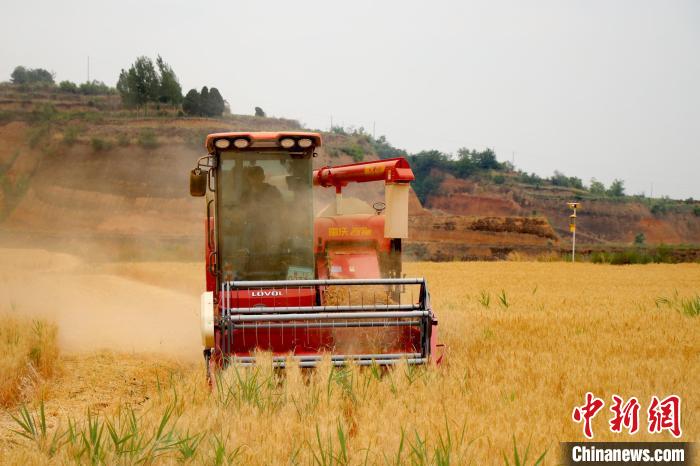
572 228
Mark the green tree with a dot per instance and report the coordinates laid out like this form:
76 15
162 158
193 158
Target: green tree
190 104
19 75
170 90
426 186
203 100
485 160
384 149
259 112
576 182
22 75
639 239
617 188
426 166
68 86
146 81
597 187
95 87
127 95
531 179
140 84
560 179
214 104
464 165
425 161
41 76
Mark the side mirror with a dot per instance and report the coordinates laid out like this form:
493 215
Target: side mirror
198 182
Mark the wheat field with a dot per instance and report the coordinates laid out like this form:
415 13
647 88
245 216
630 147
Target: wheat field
28 356
525 342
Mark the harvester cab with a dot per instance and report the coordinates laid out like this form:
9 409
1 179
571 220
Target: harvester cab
279 280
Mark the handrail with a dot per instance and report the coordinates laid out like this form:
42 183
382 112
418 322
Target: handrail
325 282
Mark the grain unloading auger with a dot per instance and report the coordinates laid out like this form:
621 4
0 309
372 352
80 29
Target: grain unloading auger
279 280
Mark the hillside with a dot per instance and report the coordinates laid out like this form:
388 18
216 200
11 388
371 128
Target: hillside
601 220
80 172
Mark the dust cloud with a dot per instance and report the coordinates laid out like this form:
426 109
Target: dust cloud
126 307
107 248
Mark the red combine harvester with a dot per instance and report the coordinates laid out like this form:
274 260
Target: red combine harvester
282 281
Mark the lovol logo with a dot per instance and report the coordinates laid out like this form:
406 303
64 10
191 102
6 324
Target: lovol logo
264 293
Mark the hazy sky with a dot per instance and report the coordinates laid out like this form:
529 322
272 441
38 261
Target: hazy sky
606 89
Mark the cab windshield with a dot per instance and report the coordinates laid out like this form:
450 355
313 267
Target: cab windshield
265 216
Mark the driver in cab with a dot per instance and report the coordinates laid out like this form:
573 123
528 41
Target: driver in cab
259 191
252 228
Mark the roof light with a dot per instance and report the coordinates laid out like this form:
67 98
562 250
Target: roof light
287 143
305 143
222 143
241 143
